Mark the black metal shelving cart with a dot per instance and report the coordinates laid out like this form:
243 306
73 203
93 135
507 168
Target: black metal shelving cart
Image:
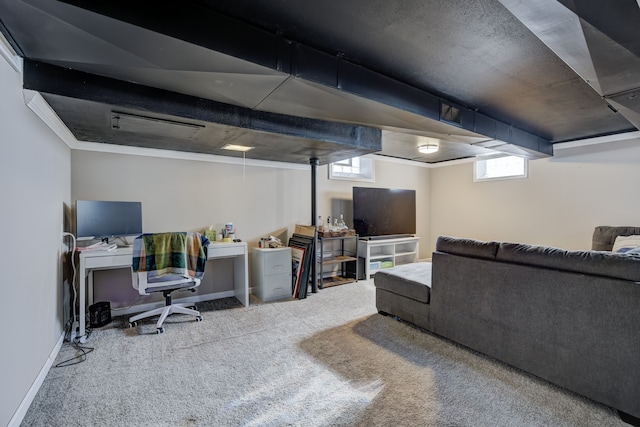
337 259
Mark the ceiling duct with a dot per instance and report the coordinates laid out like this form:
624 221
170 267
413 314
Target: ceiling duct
85 102
345 77
598 40
208 55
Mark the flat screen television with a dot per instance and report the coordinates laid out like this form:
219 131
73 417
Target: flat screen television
98 219
384 212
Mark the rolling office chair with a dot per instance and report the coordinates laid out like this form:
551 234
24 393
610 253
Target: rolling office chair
167 262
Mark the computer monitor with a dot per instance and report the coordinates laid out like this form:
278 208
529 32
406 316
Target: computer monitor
98 219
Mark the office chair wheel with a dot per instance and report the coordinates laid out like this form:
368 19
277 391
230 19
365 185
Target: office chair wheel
160 330
133 324
198 318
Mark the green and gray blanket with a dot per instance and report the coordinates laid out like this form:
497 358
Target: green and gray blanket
179 253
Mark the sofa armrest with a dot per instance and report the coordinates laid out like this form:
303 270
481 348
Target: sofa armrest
467 247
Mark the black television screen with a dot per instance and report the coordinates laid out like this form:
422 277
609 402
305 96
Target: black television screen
384 212
104 219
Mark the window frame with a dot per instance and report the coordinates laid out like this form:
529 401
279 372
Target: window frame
523 174
367 176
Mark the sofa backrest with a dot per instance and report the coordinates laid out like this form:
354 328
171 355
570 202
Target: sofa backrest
600 263
605 235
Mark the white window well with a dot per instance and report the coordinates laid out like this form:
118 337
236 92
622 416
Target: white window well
353 169
506 167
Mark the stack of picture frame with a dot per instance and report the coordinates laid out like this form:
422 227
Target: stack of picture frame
302 255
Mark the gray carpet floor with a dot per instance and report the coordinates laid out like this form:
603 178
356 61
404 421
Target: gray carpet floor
328 360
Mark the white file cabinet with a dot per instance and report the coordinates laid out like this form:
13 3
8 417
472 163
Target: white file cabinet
271 273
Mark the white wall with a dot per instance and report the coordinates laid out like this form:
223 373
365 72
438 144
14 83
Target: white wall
193 194
258 197
35 177
561 202
388 174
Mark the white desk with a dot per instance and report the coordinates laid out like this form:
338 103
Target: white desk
122 257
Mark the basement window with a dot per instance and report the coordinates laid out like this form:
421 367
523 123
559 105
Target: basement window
505 167
353 169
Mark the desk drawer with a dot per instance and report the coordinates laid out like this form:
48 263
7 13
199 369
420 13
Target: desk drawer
221 250
113 261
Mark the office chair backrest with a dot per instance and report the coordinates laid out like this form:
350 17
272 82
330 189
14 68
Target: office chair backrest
163 256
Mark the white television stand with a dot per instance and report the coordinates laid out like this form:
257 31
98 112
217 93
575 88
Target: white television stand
384 253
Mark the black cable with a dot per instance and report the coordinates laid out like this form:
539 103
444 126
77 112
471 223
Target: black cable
82 357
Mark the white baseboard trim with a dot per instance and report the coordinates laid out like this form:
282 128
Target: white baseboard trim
18 416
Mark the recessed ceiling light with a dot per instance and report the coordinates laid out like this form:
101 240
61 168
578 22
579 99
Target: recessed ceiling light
428 148
233 147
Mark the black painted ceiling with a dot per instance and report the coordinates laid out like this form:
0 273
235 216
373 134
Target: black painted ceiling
337 78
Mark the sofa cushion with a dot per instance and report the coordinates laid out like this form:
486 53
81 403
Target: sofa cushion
467 247
409 280
625 243
600 263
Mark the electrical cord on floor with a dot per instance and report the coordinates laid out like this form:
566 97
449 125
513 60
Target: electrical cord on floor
76 359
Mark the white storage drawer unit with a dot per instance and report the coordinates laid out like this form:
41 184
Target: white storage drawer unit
271 273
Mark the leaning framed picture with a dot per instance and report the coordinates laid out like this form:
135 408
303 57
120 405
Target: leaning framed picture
306 244
297 263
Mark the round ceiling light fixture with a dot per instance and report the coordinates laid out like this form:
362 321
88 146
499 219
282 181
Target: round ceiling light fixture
429 148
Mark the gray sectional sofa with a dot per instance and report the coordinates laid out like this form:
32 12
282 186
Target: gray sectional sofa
569 317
